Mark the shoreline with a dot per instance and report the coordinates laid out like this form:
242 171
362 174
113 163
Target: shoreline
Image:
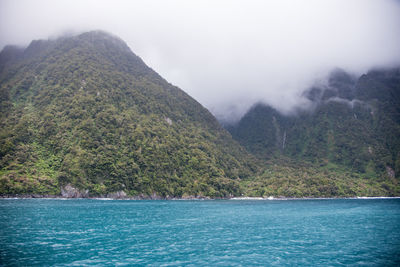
271 198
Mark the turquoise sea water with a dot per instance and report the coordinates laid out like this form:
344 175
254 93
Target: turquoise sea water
200 233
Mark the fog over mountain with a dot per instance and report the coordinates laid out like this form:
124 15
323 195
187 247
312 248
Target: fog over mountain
228 55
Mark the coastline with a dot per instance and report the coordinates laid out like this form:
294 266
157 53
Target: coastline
141 197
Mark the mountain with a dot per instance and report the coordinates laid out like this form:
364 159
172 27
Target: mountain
353 127
84 116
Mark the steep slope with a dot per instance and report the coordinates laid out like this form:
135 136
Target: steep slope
354 128
85 112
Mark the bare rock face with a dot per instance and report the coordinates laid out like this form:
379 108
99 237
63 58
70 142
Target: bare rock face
155 196
72 192
390 172
118 195
168 120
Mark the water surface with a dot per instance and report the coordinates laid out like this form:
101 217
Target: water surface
225 232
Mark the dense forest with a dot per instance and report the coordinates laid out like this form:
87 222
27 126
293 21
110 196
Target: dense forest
352 130
84 114
85 111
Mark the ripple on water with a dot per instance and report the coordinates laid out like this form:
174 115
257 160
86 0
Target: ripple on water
164 233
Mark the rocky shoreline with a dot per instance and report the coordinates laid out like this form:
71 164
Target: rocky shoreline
114 196
108 196
70 192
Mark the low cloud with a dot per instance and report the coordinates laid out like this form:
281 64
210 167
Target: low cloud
228 55
349 103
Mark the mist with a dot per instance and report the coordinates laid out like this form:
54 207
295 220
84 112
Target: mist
228 55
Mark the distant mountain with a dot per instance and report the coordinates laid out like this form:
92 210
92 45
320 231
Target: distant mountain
354 125
84 116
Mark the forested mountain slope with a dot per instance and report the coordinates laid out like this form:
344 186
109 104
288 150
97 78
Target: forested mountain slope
85 112
83 116
354 126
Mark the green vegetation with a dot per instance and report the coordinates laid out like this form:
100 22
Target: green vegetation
350 142
85 112
301 179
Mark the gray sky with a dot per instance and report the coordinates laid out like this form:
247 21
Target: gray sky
228 54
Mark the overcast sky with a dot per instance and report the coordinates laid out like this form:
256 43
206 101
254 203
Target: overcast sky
228 54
